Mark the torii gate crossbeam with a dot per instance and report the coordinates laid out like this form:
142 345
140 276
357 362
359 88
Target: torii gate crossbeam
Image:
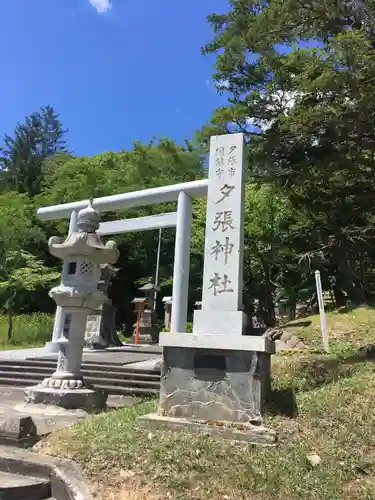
182 193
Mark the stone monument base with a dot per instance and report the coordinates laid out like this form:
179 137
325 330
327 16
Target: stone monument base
86 398
144 338
221 384
252 434
101 328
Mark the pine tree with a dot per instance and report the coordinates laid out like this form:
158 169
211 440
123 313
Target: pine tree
300 78
23 154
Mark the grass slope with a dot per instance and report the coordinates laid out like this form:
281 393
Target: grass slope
335 398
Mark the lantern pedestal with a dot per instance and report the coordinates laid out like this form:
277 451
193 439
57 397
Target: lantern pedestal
90 400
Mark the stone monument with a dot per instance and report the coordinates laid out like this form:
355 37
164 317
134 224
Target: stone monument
101 325
146 329
217 373
83 252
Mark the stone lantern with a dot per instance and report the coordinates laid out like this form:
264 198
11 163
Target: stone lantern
139 306
84 253
146 327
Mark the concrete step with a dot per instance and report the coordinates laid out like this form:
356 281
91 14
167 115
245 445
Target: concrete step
17 487
128 391
93 380
46 371
123 390
121 362
87 365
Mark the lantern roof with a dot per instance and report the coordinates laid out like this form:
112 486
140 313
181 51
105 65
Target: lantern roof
149 287
85 243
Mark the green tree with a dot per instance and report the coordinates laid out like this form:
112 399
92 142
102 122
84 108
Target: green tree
21 274
144 166
23 154
299 77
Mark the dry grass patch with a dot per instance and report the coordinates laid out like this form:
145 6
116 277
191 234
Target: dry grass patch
127 489
345 325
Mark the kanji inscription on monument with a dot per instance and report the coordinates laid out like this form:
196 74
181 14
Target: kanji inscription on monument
223 260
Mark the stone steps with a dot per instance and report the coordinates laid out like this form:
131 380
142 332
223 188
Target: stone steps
87 365
92 380
114 379
119 390
17 487
89 372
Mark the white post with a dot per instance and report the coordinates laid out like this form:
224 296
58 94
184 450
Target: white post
53 346
323 324
157 267
181 264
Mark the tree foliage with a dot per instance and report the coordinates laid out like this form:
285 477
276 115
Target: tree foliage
299 78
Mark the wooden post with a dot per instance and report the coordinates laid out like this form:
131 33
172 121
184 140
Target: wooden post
169 317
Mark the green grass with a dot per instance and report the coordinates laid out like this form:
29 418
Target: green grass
335 397
29 330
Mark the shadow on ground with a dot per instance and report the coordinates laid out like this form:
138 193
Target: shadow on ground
302 324
351 307
282 402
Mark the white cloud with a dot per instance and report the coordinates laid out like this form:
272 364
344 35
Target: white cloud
101 5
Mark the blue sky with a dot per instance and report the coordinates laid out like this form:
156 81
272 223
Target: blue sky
116 71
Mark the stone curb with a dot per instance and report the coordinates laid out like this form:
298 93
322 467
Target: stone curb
284 339
247 433
67 482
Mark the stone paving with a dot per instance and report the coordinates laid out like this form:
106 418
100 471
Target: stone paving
22 353
12 398
9 398
139 357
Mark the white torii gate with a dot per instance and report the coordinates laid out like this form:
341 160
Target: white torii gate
182 193
159 221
